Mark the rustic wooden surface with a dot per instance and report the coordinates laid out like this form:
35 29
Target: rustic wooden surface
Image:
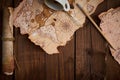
85 57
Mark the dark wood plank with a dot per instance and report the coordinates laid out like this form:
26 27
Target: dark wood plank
30 58
52 67
112 68
90 53
66 61
83 42
5 77
1 39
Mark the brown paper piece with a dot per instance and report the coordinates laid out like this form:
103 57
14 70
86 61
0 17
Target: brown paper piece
110 25
48 28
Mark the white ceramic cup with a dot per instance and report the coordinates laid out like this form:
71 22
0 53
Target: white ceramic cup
58 4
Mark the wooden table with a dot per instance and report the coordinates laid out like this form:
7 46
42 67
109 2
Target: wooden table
85 57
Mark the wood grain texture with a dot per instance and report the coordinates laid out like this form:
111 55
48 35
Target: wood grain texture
66 60
82 44
0 40
96 51
31 62
85 57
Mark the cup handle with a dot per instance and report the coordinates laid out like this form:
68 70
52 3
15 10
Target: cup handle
65 4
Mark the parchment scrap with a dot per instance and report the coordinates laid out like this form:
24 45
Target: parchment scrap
48 28
110 25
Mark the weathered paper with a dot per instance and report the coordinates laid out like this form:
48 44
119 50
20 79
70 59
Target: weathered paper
48 28
110 25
